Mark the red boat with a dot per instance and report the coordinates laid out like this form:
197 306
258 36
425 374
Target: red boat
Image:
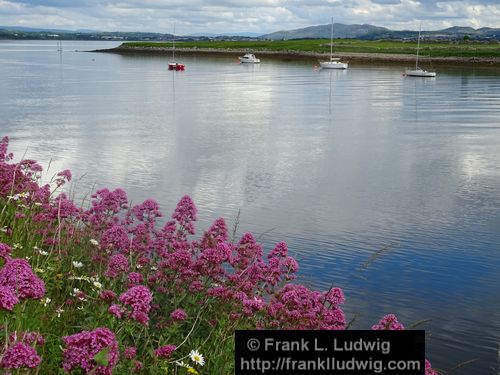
176 66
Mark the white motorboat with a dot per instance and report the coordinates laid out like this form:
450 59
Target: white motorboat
249 58
334 62
418 71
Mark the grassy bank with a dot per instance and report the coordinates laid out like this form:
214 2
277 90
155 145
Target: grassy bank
104 287
343 46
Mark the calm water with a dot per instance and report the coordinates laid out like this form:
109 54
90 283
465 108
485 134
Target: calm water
339 164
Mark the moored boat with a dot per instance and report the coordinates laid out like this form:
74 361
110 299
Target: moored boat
249 58
418 71
176 66
334 62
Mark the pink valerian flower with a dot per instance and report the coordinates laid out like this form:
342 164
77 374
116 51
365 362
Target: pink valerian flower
138 299
332 319
196 286
18 275
116 310
185 214
63 177
141 238
8 298
252 305
4 145
335 296
61 208
165 351
297 307
210 261
107 295
117 264
215 234
179 261
428 369
147 212
81 349
5 251
390 323
135 278
105 207
20 355
247 251
178 315
280 265
116 237
130 352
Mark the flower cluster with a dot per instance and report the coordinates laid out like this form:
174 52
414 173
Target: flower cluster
5 251
137 304
81 349
390 323
8 298
20 355
165 351
17 275
117 265
297 307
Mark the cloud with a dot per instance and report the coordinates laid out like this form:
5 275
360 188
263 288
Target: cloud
222 16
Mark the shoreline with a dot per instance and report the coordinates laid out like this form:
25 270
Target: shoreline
356 57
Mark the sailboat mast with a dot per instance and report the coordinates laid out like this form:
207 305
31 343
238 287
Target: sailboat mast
331 42
173 45
418 45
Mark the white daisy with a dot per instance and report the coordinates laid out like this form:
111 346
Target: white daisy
196 357
77 264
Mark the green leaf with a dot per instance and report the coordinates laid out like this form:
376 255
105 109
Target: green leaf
101 358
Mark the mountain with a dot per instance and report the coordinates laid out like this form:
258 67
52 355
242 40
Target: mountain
371 32
368 32
323 31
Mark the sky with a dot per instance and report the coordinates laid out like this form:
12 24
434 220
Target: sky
238 16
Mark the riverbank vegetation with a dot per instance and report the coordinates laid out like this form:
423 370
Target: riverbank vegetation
104 287
464 48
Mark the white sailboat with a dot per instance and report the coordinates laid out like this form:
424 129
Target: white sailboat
334 62
418 71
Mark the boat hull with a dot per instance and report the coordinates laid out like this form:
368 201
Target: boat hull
419 73
176 66
333 65
255 61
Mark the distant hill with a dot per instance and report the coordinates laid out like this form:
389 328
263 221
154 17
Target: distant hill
16 32
371 32
367 32
323 31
